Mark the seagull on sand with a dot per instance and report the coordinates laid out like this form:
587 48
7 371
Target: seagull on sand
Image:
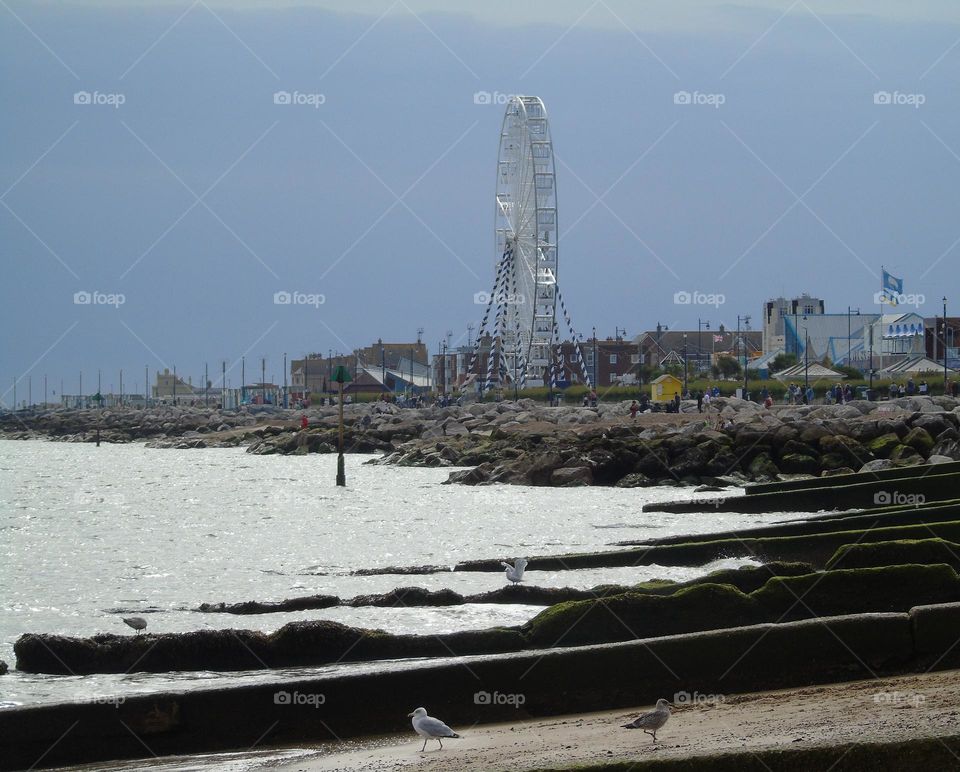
515 572
137 623
653 720
429 728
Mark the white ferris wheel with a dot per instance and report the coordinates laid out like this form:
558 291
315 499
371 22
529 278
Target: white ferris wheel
526 293
526 232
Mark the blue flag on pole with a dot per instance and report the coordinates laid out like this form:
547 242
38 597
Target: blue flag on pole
892 288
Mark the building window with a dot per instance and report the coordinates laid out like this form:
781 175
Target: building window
634 359
613 359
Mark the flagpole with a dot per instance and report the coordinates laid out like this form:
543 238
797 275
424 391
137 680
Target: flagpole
880 319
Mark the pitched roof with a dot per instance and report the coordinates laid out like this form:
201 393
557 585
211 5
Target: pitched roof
812 371
918 364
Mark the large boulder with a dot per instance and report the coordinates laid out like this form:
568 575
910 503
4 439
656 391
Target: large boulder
920 440
569 477
812 433
904 455
884 445
846 449
897 425
877 465
799 463
796 447
948 448
934 423
694 461
762 468
476 476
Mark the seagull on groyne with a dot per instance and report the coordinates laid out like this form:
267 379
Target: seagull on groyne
137 623
653 720
429 728
514 572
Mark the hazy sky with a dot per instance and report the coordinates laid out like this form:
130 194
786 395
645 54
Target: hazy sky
825 143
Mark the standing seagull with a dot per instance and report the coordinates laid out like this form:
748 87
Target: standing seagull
429 728
515 572
653 720
137 623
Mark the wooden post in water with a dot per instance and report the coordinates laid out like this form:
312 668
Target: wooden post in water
341 376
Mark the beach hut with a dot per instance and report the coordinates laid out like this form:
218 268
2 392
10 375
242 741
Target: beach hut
665 388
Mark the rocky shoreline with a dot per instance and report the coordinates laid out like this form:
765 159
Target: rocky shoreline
526 443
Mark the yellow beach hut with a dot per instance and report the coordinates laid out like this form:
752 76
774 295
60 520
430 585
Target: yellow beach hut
665 388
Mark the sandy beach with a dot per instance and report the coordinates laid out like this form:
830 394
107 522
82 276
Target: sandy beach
876 710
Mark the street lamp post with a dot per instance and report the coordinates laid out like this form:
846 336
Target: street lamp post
944 345
849 339
806 362
742 343
706 325
594 357
443 368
